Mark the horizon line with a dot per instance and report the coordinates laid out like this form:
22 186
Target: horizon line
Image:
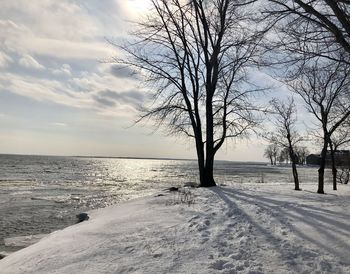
122 157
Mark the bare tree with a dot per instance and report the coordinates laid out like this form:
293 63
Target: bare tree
317 28
195 55
285 134
271 152
339 138
344 175
284 156
307 31
268 153
323 85
301 153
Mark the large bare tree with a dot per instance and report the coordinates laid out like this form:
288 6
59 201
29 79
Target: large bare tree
312 28
195 57
324 87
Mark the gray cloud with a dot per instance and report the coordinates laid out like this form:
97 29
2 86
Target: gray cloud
38 39
28 61
123 72
104 101
111 98
64 70
129 97
4 59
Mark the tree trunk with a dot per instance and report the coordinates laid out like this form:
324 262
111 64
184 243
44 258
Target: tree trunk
322 168
271 160
293 159
320 189
334 168
206 169
208 180
200 157
208 177
296 177
334 174
294 169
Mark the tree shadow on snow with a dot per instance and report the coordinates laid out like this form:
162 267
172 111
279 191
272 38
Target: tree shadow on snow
324 228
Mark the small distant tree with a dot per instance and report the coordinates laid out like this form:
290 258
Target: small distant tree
268 153
283 156
301 153
271 152
285 134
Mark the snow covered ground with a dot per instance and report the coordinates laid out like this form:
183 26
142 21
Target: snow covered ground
243 228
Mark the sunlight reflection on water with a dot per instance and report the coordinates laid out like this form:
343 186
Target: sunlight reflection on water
39 194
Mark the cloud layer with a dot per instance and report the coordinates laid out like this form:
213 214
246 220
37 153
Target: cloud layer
56 96
51 51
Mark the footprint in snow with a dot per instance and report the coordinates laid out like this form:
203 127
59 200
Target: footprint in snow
194 218
205 234
206 222
129 249
204 240
219 264
236 256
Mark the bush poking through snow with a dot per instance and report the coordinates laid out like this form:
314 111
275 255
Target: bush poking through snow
183 196
262 179
344 176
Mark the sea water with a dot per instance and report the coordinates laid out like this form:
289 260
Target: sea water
40 194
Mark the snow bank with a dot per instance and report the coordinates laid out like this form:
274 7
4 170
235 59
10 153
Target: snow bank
237 229
23 241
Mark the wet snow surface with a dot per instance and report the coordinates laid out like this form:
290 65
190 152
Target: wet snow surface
243 228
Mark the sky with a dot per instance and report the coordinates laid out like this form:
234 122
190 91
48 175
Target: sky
59 95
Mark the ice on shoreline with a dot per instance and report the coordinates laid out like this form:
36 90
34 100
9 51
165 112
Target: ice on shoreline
23 241
245 228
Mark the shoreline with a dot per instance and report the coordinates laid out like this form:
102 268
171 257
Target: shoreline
42 194
240 229
129 157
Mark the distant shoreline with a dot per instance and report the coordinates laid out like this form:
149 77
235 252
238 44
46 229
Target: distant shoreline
127 157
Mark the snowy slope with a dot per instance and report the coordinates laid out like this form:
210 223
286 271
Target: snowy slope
244 228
